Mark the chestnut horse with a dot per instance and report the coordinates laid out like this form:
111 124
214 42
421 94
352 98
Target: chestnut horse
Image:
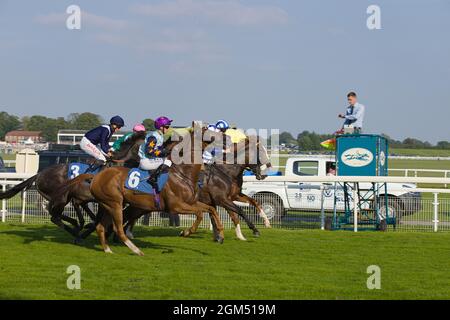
222 184
179 195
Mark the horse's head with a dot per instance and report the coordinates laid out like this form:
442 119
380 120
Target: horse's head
256 157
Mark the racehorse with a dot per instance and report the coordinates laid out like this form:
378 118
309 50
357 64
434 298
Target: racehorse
222 184
179 195
52 180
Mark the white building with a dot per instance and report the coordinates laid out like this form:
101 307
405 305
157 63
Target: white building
73 137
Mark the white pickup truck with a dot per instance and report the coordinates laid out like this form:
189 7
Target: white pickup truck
277 198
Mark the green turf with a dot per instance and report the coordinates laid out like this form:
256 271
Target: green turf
420 152
9 156
280 264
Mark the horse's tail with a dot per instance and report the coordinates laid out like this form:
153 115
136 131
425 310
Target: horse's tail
16 189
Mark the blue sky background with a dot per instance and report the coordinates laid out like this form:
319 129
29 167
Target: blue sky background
259 63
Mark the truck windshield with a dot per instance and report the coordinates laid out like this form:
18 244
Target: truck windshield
306 168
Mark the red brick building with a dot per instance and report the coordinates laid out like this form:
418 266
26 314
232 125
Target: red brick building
20 136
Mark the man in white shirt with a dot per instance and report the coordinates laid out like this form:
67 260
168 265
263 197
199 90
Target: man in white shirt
355 113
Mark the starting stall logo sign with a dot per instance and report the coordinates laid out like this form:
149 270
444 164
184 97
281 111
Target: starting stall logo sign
357 157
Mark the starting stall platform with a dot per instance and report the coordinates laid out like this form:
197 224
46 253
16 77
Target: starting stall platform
362 155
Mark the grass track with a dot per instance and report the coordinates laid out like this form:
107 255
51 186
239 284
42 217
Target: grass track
282 264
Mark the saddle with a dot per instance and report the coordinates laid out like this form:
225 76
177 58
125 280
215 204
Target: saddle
137 180
77 168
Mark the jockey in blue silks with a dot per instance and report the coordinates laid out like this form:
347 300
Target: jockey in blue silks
214 150
96 141
152 153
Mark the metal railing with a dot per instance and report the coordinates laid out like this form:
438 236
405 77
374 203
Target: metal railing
421 210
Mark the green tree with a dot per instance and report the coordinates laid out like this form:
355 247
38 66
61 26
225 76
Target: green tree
84 121
48 126
8 123
443 145
149 124
287 138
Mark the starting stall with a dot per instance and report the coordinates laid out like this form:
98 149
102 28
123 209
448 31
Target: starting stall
362 155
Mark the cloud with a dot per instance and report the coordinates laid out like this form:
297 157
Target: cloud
87 18
167 41
225 12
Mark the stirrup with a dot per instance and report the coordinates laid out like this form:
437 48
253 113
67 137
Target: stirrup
96 165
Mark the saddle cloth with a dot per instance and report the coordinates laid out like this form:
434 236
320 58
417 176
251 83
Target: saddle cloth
137 181
77 168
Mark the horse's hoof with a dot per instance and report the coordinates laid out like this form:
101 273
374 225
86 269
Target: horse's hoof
107 250
185 233
77 241
219 239
256 234
129 235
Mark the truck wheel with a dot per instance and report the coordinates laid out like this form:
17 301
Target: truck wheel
394 209
272 206
328 223
382 226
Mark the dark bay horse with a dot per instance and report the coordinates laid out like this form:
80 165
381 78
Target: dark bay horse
50 181
179 195
222 184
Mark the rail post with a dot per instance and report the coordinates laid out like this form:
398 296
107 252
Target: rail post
436 212
322 208
4 204
355 209
24 198
445 176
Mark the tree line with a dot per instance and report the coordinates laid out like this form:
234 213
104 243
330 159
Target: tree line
306 140
310 141
50 126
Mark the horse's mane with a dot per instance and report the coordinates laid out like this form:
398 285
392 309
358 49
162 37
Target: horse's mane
133 139
128 144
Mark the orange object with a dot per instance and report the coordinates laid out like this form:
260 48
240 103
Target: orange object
329 144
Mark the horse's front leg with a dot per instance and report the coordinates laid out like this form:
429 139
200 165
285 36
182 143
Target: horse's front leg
246 199
218 226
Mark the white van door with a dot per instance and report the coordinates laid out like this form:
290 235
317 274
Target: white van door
304 195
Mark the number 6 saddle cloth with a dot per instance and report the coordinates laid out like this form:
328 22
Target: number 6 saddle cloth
137 181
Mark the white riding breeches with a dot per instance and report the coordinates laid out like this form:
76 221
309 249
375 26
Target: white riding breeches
92 149
150 164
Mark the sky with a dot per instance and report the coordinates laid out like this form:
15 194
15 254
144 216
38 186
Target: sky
260 64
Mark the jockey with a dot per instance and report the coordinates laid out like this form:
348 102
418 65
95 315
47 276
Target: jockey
222 126
136 129
151 151
209 153
216 148
96 141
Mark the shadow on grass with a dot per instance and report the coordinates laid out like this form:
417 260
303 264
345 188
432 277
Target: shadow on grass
49 233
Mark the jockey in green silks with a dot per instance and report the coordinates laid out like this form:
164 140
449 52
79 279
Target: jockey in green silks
136 129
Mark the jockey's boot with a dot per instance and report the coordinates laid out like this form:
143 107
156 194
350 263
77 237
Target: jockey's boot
96 165
153 179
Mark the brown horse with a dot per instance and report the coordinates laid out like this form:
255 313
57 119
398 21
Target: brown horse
179 195
51 182
76 191
222 184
